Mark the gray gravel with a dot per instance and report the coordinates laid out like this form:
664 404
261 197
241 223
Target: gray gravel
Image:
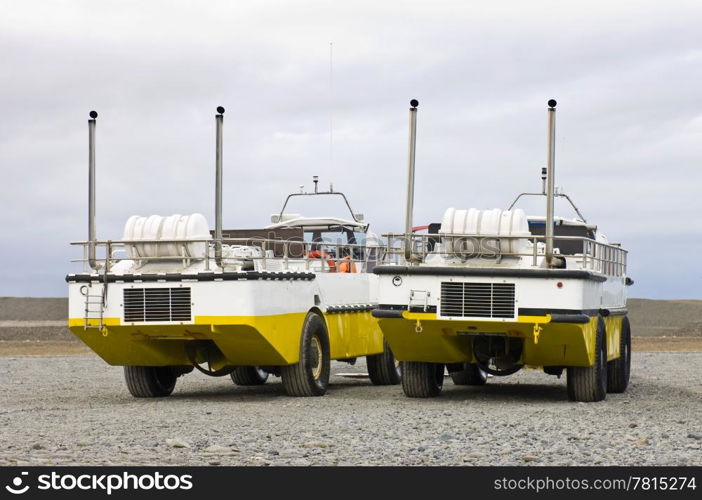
76 410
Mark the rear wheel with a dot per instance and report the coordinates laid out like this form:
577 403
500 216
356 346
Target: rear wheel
618 370
249 375
150 381
310 376
422 380
589 384
468 374
383 368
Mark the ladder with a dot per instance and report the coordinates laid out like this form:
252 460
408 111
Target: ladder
95 307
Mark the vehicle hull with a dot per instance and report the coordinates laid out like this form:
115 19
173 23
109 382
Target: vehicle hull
250 322
450 341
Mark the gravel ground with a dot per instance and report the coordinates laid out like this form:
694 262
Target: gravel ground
76 410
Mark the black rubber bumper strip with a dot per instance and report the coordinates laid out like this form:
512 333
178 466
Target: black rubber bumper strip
401 307
386 313
555 318
577 316
528 311
570 318
228 276
489 272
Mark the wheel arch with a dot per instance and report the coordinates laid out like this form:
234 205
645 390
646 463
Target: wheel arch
316 310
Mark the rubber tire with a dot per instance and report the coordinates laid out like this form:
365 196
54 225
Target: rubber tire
298 379
382 369
471 374
422 380
618 370
248 375
589 384
150 381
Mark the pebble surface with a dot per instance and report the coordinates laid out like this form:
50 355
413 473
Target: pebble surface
76 410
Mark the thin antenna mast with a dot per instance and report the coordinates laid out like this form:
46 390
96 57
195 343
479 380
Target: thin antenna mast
331 107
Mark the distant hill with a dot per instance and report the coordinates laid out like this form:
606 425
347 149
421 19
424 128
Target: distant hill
650 318
33 309
671 318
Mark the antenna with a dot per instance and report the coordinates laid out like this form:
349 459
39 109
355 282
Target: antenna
331 107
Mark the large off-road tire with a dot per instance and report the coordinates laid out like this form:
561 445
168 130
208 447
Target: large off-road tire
619 369
383 368
150 381
422 380
468 374
589 384
249 375
310 376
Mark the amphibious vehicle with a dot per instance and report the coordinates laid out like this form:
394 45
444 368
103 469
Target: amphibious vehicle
171 296
489 292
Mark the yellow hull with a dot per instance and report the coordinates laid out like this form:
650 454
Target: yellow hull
422 337
243 340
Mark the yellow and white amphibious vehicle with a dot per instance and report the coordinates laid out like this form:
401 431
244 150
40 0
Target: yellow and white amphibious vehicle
286 299
492 291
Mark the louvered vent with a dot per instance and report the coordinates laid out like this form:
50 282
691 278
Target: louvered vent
477 300
156 304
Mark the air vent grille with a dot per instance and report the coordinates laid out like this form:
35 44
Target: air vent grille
157 304
477 300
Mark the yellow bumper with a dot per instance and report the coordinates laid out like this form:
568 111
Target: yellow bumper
423 337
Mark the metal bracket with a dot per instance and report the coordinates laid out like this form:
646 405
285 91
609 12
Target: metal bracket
537 332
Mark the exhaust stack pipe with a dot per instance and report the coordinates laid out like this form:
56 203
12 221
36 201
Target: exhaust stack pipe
92 238
219 118
410 178
550 175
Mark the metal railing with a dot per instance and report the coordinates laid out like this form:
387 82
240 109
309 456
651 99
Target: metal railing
287 254
608 259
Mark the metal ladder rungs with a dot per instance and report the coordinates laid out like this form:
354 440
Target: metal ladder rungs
97 310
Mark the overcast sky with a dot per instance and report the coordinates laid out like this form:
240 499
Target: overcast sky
627 77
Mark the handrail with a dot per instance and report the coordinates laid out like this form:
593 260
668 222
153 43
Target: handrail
319 193
562 195
346 252
598 256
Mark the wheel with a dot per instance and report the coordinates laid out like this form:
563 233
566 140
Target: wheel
618 370
249 375
150 381
310 376
468 374
422 380
383 368
589 384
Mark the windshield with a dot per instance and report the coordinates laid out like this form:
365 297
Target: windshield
332 240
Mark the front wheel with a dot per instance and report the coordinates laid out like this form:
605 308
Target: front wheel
310 376
150 381
618 370
383 368
589 384
422 380
249 375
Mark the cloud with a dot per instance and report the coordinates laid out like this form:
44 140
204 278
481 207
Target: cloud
625 76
